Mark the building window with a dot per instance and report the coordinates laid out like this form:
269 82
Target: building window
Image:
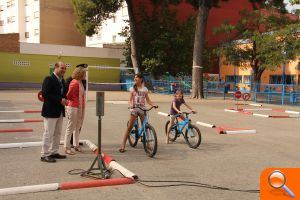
290 79
11 19
247 79
1 23
278 79
91 38
275 79
233 79
36 31
99 35
10 3
27 18
114 37
36 15
124 11
114 18
26 34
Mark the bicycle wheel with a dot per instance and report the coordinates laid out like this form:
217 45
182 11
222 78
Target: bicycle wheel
133 136
192 136
172 134
150 141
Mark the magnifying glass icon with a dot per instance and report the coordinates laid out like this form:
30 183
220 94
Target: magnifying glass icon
277 180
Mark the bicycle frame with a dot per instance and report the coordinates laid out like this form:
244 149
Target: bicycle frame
181 125
143 127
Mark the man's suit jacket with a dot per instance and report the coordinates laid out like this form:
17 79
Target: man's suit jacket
51 91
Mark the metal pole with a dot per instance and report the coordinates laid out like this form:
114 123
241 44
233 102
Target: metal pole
87 85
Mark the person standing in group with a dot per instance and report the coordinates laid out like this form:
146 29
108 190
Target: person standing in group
138 95
75 110
53 111
68 81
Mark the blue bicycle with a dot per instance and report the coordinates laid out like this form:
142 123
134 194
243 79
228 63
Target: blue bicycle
190 132
146 132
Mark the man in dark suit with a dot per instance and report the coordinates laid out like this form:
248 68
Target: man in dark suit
53 111
68 81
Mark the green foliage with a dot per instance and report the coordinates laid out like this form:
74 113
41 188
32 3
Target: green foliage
165 44
260 41
91 13
294 2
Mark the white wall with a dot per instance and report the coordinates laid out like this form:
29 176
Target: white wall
63 50
19 11
34 23
109 29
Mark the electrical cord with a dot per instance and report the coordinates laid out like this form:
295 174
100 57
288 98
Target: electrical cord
191 183
166 183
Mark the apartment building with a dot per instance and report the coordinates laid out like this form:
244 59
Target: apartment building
110 29
40 21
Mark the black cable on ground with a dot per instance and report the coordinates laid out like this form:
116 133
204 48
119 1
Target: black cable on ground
193 184
166 183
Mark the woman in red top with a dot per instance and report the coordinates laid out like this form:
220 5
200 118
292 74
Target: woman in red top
75 110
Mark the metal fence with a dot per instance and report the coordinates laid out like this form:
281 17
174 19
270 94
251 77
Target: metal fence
277 94
263 93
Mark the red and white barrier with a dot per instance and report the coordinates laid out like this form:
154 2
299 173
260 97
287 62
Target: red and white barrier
261 115
255 104
162 113
206 124
294 116
246 112
29 189
20 111
16 130
20 120
95 183
20 145
129 179
292 112
231 110
229 130
240 132
257 109
280 116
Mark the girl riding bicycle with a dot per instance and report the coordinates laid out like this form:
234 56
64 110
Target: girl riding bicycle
175 109
138 95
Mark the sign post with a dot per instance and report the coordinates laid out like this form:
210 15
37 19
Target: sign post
237 96
99 162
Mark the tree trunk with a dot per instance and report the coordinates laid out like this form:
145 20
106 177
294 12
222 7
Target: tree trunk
257 72
199 42
133 39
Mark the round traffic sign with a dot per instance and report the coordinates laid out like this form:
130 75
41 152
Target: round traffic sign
246 96
238 94
40 96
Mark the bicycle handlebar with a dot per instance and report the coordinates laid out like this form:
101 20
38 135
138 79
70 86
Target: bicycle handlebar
143 108
185 113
